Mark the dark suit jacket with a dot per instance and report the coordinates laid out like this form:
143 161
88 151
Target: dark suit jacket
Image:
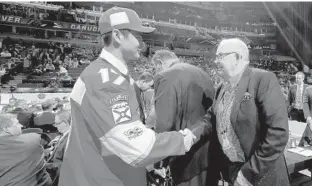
45 121
183 93
292 96
26 119
138 93
307 102
22 160
261 125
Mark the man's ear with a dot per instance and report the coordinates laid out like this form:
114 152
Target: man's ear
6 129
116 36
158 62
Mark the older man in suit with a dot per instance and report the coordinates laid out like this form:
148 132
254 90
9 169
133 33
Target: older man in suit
295 98
21 155
183 93
250 118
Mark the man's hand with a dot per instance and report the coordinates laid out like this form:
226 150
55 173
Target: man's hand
189 138
309 122
161 172
241 180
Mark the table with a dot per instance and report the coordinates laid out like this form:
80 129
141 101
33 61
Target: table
296 162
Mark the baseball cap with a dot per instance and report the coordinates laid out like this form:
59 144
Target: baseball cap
122 18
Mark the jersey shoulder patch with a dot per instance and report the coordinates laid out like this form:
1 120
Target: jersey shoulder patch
121 112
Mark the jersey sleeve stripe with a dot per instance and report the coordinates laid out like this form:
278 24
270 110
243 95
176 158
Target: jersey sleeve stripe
119 80
113 71
132 142
78 91
131 81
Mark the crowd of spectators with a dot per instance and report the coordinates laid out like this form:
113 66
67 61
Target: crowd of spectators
38 59
50 122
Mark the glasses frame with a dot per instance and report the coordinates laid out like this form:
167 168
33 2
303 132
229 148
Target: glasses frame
220 56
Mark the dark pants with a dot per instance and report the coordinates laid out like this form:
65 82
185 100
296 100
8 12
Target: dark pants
297 114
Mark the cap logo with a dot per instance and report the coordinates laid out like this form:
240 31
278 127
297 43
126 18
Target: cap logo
119 18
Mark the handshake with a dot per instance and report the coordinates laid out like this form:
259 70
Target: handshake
193 134
189 138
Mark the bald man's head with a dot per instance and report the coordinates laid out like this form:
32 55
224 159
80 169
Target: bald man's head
234 45
232 56
163 59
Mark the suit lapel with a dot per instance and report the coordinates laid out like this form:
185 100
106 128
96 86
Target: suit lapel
214 109
239 94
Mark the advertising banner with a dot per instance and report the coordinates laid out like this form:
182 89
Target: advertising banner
12 19
57 25
80 27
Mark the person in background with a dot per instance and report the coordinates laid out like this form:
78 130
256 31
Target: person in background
309 77
10 63
27 63
62 70
295 98
183 94
1 40
24 117
85 60
307 105
49 67
62 122
67 61
250 118
145 94
10 107
21 155
2 73
74 63
46 119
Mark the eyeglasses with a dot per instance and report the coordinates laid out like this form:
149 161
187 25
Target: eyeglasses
220 56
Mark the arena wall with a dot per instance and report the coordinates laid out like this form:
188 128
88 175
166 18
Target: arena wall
30 97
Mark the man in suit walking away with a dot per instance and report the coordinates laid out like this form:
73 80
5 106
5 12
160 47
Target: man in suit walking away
250 121
183 94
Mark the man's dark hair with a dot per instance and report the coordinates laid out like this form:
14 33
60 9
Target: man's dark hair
108 37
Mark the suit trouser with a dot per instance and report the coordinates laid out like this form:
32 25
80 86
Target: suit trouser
297 114
229 170
202 179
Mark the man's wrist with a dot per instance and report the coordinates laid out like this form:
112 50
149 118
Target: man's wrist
309 119
241 180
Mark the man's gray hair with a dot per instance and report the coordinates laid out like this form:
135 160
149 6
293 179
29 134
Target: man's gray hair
234 45
6 120
164 55
300 74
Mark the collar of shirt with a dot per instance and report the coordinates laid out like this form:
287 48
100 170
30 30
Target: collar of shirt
235 80
110 58
300 86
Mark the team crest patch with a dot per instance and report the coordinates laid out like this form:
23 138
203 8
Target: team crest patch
121 112
133 133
